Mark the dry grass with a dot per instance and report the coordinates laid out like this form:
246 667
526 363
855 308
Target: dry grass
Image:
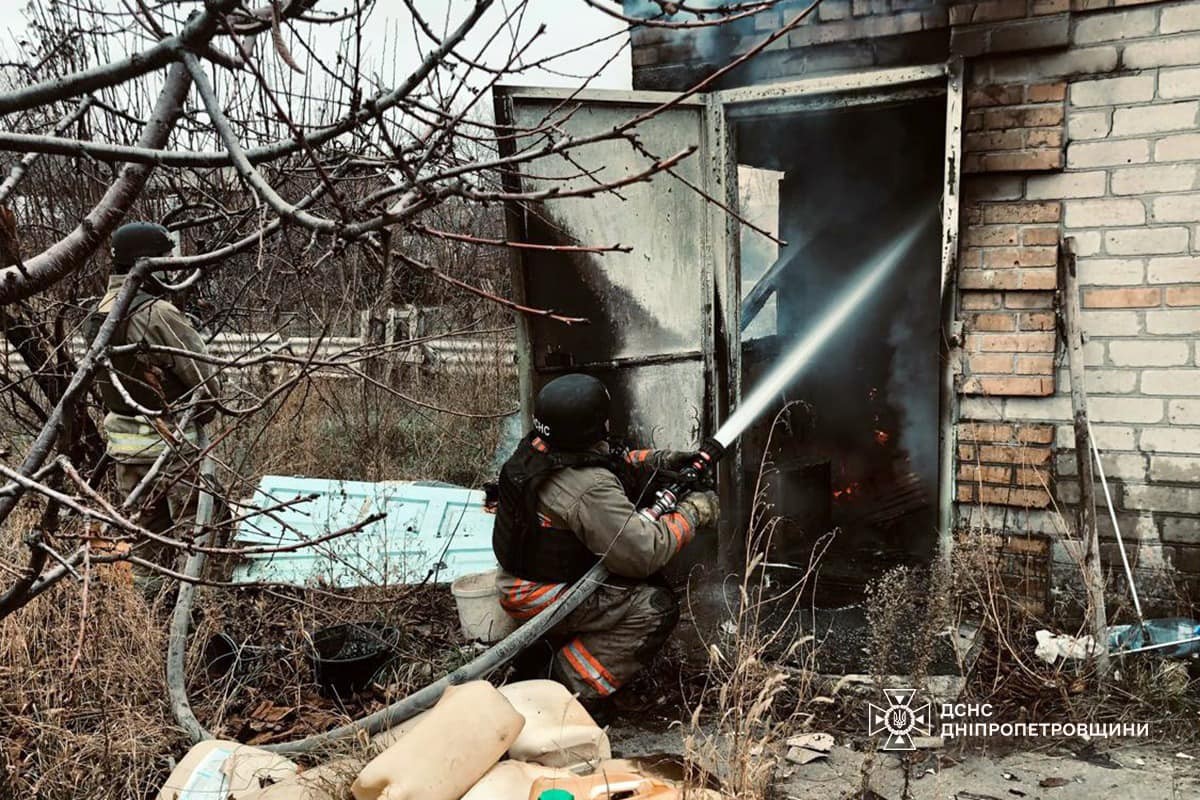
83 709
82 695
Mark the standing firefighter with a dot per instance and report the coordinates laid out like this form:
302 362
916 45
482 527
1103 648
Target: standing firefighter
162 383
564 506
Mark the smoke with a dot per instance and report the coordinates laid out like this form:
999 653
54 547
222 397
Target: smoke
913 386
510 436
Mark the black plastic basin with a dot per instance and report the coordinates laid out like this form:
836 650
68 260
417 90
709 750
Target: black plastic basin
346 657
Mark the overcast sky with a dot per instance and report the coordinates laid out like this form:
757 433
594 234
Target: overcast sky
569 24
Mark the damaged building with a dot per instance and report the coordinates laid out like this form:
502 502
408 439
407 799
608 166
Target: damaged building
982 134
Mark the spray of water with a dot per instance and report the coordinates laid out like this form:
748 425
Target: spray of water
801 354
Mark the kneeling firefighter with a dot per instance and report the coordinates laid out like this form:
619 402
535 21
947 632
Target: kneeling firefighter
566 500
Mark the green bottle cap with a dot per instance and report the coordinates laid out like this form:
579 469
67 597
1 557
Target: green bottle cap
556 794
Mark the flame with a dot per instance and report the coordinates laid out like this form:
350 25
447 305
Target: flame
881 437
846 490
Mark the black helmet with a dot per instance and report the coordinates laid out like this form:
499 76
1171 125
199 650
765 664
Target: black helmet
571 412
139 240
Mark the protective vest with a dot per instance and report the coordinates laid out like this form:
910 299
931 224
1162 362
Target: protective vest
525 543
148 387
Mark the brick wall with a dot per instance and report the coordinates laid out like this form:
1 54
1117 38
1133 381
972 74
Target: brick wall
1083 120
1129 192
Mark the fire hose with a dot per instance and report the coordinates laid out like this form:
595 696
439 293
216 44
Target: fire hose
490 660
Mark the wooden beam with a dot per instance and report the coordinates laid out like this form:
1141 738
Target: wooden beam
1093 576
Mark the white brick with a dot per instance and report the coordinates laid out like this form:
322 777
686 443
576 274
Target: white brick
1039 408
1155 119
1185 530
1175 468
1162 498
1076 61
994 187
1185 269
1172 322
1125 353
1111 271
1108 437
1153 180
1111 323
1181 18
1107 154
1088 125
1181 147
1123 466
1177 208
1173 83
1179 51
1111 26
1103 213
1066 184
1183 412
1087 243
1171 381
981 408
1113 91
1125 409
1171 440
1108 381
1145 241
1093 353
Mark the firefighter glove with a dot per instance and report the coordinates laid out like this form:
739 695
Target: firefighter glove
703 507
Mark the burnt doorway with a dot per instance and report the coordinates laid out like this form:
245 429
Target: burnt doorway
851 446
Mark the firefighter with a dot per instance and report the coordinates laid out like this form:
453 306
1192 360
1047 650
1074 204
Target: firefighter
564 504
164 383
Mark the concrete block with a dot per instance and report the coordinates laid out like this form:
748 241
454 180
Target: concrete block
1181 18
1113 91
1111 271
1176 208
1172 322
1181 147
1175 83
1179 469
1160 118
1082 155
1115 26
1146 241
1088 125
1126 409
1103 213
1154 180
1107 381
1176 51
1184 269
1183 412
1127 353
832 10
1161 498
1111 323
1174 382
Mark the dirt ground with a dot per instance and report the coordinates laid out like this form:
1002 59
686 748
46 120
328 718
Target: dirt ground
1057 772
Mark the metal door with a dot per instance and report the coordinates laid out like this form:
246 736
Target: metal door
650 332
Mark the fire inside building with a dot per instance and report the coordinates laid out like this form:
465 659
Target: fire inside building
985 135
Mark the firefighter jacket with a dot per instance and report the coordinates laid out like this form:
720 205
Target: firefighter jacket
154 380
585 514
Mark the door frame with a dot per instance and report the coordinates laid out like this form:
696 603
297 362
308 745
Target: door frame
845 90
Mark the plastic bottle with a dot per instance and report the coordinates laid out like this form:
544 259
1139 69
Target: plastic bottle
448 751
558 730
1157 632
511 780
605 786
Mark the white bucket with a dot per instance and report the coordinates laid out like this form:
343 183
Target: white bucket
479 611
